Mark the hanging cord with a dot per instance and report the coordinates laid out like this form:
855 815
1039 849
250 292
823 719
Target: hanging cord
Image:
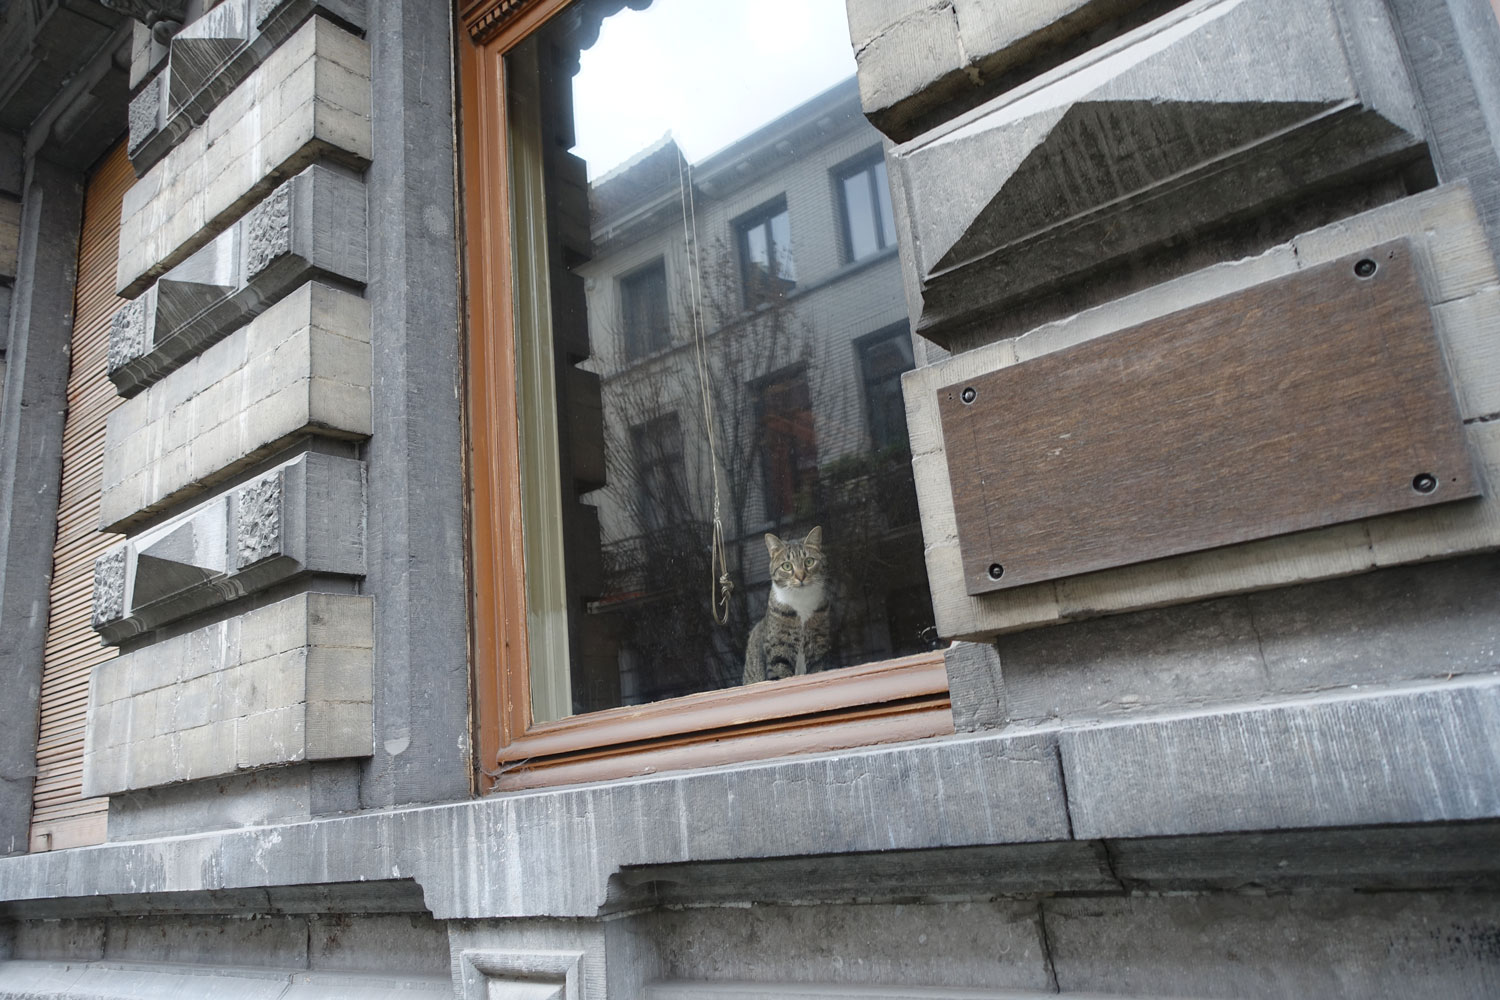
718 569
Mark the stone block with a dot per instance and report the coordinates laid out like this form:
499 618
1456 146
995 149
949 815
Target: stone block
311 226
1136 145
976 686
234 695
209 59
1412 756
240 411
199 189
1459 273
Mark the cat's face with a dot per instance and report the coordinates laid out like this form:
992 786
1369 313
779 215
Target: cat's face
797 564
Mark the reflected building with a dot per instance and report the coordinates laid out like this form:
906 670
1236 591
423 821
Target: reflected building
761 286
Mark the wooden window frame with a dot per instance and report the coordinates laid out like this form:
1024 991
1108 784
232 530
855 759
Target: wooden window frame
887 701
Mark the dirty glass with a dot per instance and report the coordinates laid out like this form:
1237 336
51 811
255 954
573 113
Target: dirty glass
711 330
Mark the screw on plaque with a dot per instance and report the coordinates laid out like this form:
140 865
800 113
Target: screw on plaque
1365 268
996 571
1424 482
968 394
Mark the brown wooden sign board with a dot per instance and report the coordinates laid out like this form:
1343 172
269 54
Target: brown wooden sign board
1310 400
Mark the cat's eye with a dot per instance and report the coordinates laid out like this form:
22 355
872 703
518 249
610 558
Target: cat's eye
786 565
811 563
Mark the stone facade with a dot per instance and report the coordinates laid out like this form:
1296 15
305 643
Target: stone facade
1268 769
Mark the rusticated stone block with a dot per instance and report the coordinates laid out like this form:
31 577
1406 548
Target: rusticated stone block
259 529
307 515
109 587
213 55
312 225
285 683
145 114
1134 146
301 367
309 100
268 231
127 334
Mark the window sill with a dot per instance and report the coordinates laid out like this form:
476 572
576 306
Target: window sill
889 701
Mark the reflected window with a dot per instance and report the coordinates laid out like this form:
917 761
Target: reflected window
790 451
661 494
765 239
865 204
643 304
883 358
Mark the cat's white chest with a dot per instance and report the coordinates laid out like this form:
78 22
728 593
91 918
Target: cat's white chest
803 600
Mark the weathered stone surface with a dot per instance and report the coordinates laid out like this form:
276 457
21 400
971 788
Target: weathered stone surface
127 333
200 49
312 225
1051 181
312 101
259 531
268 231
285 683
145 114
109 587
976 686
302 366
1411 756
1344 945
10 236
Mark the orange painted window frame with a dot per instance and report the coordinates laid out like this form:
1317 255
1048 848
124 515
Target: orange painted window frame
888 701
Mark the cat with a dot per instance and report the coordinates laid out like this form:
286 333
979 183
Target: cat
793 637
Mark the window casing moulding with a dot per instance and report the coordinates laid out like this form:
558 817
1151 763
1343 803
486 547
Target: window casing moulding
880 702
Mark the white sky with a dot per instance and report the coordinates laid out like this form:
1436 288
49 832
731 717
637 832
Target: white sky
708 71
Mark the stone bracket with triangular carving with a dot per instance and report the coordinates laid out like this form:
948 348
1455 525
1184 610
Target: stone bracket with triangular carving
305 516
210 57
1216 110
312 226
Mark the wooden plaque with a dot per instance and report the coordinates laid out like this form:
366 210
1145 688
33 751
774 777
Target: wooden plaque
1306 401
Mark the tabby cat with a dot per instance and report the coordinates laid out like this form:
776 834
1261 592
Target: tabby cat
793 637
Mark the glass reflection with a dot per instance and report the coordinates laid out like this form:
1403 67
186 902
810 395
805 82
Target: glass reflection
717 287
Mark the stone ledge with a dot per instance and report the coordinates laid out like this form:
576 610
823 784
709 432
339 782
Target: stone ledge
309 100
307 515
285 683
302 366
1420 756
555 852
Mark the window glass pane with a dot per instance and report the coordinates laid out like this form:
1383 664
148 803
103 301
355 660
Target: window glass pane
864 236
700 356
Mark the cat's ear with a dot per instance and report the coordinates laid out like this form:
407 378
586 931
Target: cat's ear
814 538
773 545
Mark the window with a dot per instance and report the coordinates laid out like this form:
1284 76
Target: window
604 644
883 358
865 204
660 487
643 305
790 449
765 242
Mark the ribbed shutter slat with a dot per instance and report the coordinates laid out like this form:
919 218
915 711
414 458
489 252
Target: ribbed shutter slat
61 817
